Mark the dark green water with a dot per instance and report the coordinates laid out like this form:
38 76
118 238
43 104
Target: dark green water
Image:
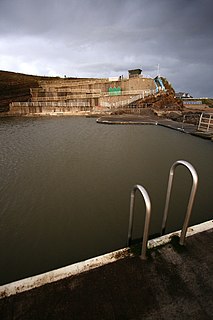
66 182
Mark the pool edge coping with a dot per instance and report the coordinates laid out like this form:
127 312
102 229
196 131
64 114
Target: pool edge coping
29 283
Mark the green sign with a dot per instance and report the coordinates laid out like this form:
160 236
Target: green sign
114 91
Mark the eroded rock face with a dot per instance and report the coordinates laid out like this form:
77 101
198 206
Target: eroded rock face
182 116
164 100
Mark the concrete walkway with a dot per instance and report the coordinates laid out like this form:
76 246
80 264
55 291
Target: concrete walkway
173 283
152 120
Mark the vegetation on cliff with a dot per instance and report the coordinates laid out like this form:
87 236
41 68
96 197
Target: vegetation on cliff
207 101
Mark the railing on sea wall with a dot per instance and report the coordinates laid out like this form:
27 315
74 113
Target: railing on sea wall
50 98
54 93
81 101
206 122
51 104
126 102
68 89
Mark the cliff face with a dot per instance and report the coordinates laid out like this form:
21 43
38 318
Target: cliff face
16 87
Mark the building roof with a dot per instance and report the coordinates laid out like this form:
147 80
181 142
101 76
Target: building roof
135 71
183 95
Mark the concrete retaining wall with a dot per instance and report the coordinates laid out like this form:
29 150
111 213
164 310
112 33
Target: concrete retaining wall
77 90
77 95
48 108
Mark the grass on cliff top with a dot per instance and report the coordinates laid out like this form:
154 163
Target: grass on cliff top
12 79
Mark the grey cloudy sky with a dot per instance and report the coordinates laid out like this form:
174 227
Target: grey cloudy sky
102 38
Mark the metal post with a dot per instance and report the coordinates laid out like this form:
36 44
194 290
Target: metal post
184 117
209 122
147 218
191 198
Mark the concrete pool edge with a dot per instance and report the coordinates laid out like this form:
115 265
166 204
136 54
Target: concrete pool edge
90 264
182 127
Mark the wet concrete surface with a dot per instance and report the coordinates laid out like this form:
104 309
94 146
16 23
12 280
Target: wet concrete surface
154 120
173 283
128 119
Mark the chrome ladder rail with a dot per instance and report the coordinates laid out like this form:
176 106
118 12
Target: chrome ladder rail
147 218
191 198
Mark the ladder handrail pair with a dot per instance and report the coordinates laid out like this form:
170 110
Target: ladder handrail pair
168 195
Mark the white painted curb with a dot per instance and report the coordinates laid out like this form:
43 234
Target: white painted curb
87 265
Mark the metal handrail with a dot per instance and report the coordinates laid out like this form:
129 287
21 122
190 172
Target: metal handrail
147 218
191 198
206 122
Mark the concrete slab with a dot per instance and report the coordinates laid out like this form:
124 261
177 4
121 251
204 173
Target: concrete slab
144 120
152 120
173 283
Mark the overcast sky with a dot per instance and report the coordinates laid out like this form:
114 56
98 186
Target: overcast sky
102 38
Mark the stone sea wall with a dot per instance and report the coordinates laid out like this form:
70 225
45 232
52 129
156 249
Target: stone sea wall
82 96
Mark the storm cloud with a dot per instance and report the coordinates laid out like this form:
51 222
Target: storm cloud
97 38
